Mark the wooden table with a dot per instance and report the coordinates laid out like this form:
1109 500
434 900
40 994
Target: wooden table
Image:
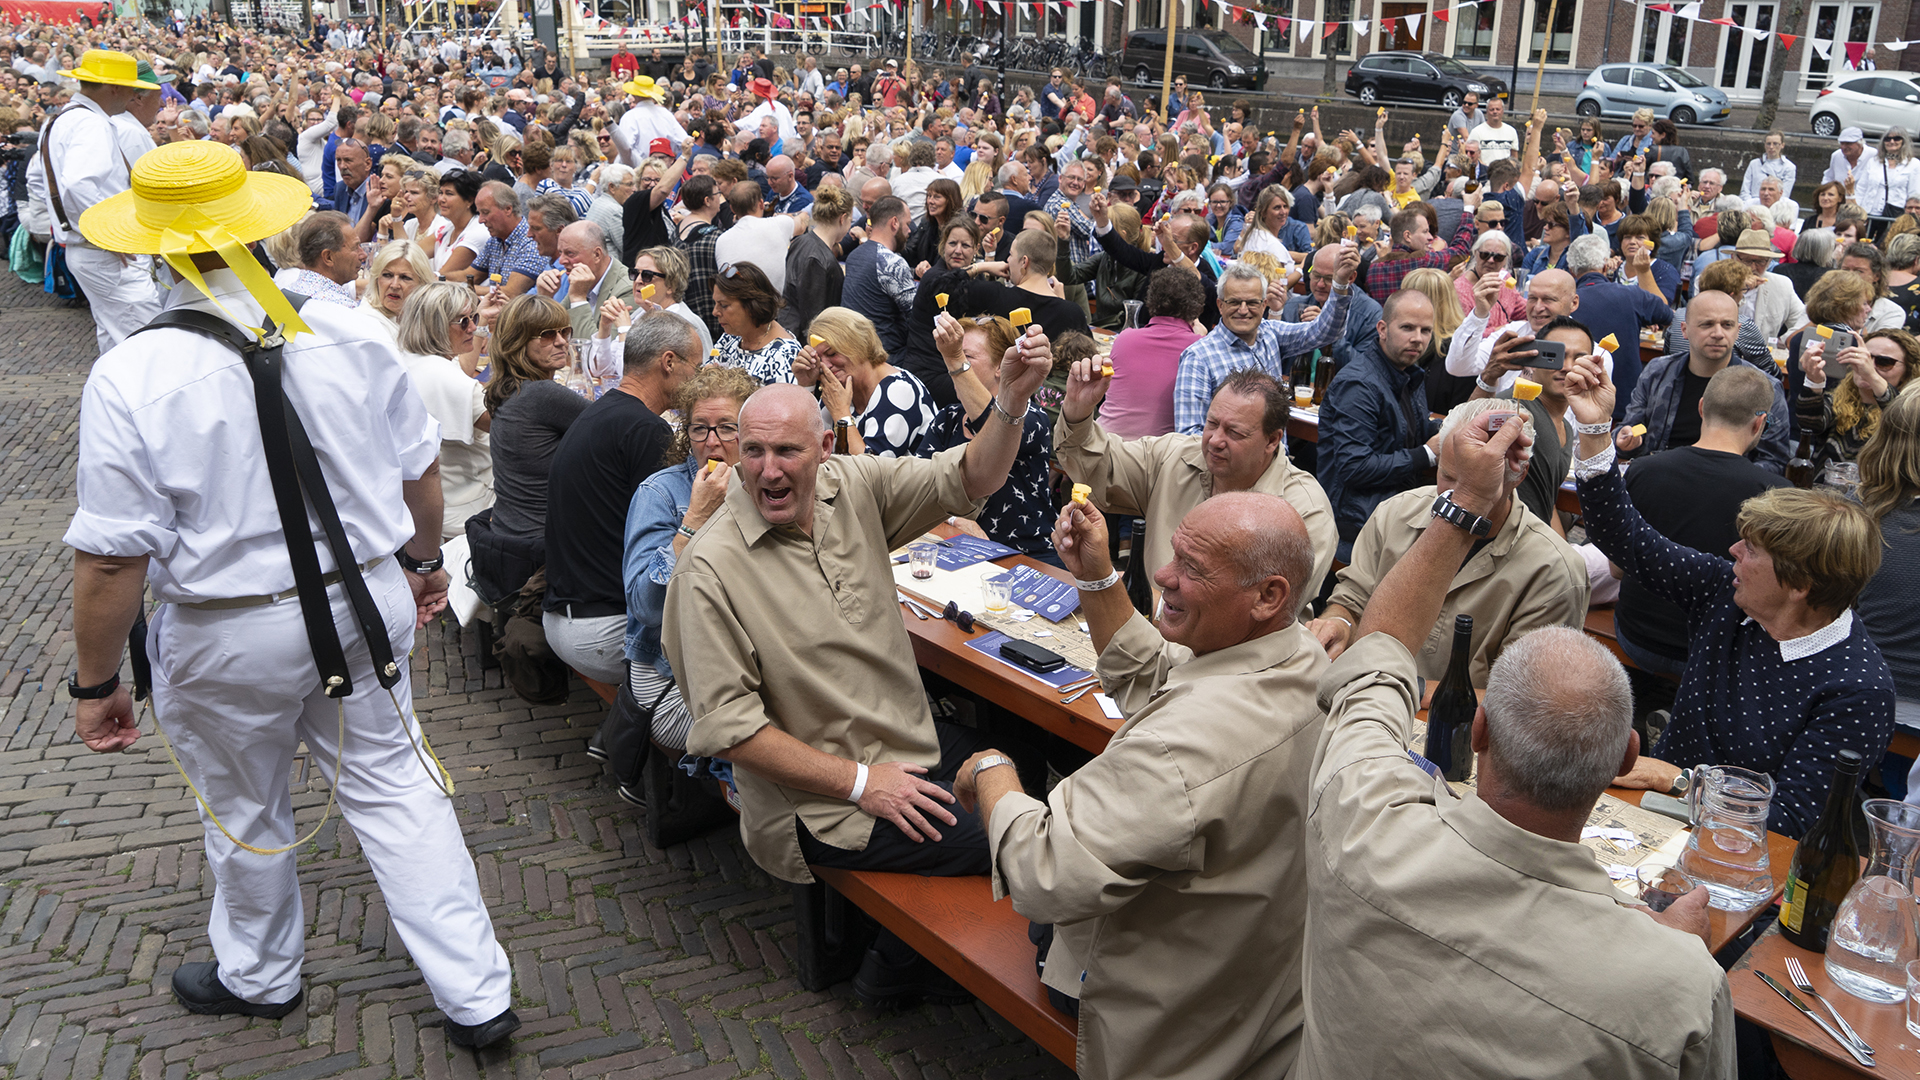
1806 1052
1304 424
1724 926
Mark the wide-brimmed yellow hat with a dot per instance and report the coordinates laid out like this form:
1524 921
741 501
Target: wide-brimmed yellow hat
644 86
110 67
189 197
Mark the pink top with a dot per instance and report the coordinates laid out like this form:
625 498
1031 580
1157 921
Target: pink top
1508 307
1140 399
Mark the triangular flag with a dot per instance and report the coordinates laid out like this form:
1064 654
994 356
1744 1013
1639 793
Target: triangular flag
1413 26
1331 27
1723 22
1824 48
1691 11
1896 46
1855 51
1280 24
1361 26
1386 28
1755 35
1668 8
1306 29
1443 14
1260 20
1787 40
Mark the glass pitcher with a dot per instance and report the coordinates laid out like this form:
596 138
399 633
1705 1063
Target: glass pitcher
1874 933
1727 848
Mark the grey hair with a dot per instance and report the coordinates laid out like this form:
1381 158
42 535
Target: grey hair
1663 168
1814 246
1721 173
1457 187
427 317
615 174
503 196
195 123
1667 186
1559 713
1467 410
1784 212
1369 212
556 211
1239 271
1006 173
1493 238
1730 202
655 334
1587 254
1904 251
455 141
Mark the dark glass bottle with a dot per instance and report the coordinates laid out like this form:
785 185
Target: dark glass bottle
841 445
1800 466
1826 864
1450 715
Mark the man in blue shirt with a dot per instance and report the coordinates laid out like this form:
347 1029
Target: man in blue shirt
1246 338
1613 309
511 259
350 190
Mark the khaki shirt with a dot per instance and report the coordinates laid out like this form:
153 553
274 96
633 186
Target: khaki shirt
1528 577
1161 477
1445 941
1171 865
765 625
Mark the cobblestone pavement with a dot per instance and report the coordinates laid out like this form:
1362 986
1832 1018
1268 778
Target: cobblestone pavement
628 961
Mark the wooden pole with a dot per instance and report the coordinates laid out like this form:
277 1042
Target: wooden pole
1546 46
1166 70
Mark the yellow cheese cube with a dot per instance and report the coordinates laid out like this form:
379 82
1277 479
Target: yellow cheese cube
1526 389
1353 231
941 299
1080 493
816 340
1609 343
494 278
1512 283
1639 429
713 465
646 292
1824 331
1020 316
1106 370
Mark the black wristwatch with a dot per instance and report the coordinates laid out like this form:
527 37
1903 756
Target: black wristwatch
1459 516
419 566
91 693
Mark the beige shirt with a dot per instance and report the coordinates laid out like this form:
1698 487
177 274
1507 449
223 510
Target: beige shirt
766 625
1445 941
1525 579
1171 864
1161 477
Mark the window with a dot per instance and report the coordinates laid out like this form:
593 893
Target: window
1396 65
1420 69
1474 35
1340 11
1560 50
1616 75
1647 80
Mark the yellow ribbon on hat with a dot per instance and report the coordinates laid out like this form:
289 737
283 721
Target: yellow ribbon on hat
190 232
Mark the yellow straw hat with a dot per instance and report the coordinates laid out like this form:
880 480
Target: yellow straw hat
644 86
190 197
110 67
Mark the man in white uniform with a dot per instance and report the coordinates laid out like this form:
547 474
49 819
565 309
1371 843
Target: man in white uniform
163 422
89 164
648 120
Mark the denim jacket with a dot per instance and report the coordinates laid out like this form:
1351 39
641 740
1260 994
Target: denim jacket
653 517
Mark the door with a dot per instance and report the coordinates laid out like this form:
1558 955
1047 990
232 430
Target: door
1392 72
1648 90
1423 82
1834 24
1663 39
1743 61
1400 37
1192 58
1616 93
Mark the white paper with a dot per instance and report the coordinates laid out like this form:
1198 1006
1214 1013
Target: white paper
461 599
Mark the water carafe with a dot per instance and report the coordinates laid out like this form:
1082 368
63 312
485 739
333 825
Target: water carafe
1873 935
1727 849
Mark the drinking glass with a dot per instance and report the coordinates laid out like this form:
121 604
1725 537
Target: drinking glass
1913 997
1302 396
1660 886
999 592
923 557
1133 313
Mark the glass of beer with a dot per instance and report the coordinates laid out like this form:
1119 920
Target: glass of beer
999 595
1303 395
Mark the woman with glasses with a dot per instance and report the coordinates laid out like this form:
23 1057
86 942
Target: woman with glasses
887 409
666 508
616 185
1555 234
1899 171
436 328
1841 414
532 340
746 307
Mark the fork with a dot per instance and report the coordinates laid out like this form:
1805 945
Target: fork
1799 976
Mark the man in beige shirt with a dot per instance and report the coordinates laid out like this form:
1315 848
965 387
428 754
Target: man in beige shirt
1520 577
783 630
1161 477
1456 936
1171 864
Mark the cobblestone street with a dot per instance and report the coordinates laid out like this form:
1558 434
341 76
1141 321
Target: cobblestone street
628 961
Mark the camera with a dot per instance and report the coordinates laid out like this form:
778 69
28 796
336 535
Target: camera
20 146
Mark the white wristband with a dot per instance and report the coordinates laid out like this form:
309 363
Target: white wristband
859 783
1096 586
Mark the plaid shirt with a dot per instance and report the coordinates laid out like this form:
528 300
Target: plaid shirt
517 254
1384 276
702 268
1206 363
1080 236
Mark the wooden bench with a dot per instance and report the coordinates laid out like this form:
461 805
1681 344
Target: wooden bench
955 923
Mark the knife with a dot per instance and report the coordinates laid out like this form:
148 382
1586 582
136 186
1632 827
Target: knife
1847 1045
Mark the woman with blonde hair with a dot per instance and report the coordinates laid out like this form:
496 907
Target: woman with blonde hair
887 409
1888 608
436 329
976 180
393 273
1842 414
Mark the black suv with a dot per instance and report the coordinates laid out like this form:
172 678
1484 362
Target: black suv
1424 77
1212 58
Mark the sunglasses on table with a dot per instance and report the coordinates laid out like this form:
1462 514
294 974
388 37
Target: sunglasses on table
962 619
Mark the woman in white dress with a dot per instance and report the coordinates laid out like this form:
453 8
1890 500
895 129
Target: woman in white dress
436 325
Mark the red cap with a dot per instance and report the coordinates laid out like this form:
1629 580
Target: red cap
661 146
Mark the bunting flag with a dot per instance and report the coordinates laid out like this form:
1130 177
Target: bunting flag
1443 14
1824 48
1787 40
1260 20
1386 28
1723 22
1306 29
1280 23
1413 26
1856 50
1361 25
1668 8
1896 46
1331 27
1691 11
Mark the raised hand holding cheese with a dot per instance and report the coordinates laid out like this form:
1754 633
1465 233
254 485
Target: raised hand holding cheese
1080 493
1020 316
1609 343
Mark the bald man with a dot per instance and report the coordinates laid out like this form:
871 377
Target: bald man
782 624
1177 925
787 194
587 279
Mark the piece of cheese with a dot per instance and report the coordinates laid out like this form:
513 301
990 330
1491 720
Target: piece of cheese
1353 231
816 340
714 353
1020 316
646 292
1609 343
941 299
1080 493
494 278
1106 369
716 463
1383 111
1824 331
1525 389
1512 282
1639 429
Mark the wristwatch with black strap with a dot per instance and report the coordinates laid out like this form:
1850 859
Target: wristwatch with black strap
91 693
419 566
1459 516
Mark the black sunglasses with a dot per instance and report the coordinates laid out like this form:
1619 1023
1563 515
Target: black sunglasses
648 276
962 619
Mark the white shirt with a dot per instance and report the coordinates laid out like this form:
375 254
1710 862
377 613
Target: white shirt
751 121
812 83
158 442
952 171
473 238
311 149
1868 188
1472 347
132 135
1817 642
1496 142
647 121
910 187
761 241
88 164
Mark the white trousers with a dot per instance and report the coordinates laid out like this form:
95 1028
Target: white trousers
123 297
237 691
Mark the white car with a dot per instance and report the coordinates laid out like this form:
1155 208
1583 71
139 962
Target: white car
1872 101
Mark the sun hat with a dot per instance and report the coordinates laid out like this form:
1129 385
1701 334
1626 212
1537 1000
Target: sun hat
110 67
644 86
762 88
195 197
1756 242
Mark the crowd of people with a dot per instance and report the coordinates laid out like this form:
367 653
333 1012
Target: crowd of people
682 350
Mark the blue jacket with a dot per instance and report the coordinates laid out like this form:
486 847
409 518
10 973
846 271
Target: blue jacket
1364 456
1620 310
1363 325
1656 403
653 517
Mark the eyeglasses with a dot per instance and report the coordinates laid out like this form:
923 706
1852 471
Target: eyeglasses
1895 138
1493 256
1885 362
730 271
558 333
962 619
982 219
724 432
465 322
1235 305
648 276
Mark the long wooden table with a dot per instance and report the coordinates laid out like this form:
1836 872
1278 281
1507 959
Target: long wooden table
1806 1052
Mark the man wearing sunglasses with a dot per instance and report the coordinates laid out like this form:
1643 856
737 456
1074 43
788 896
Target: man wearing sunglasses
784 631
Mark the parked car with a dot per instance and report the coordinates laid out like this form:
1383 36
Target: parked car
1624 89
1872 101
1428 78
1206 57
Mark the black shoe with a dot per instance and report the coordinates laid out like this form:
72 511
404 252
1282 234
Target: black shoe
594 749
631 794
482 1035
881 982
198 987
